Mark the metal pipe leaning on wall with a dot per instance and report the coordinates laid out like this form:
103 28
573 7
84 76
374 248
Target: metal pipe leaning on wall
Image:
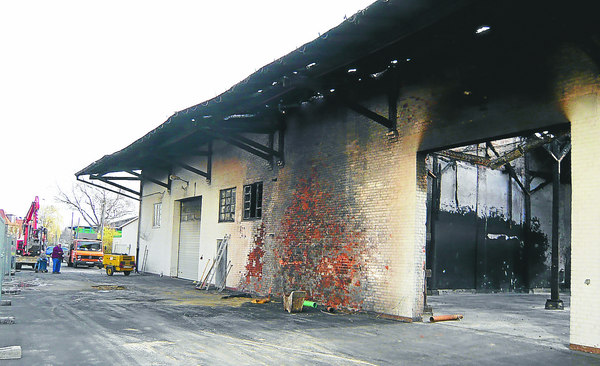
441 318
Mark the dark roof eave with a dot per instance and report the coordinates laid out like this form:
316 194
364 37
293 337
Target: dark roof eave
390 25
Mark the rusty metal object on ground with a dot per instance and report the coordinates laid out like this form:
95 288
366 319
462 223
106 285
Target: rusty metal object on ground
261 301
441 318
294 302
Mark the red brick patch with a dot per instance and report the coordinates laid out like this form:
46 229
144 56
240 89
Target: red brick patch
321 248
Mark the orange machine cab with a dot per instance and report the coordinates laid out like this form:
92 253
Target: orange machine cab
85 252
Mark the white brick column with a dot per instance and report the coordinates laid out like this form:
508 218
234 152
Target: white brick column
585 253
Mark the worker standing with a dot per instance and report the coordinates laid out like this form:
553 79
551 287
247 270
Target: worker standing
57 255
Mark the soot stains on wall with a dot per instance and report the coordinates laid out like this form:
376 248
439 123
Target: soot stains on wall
489 253
480 239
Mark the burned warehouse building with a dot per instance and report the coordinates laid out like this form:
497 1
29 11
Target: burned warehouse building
418 146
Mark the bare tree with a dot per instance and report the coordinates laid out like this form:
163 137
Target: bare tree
97 206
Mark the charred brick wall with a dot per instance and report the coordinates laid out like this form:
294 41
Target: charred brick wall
341 217
344 218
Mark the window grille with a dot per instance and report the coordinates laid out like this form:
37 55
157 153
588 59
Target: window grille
253 200
227 205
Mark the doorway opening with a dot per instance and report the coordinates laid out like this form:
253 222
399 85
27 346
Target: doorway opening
499 222
490 214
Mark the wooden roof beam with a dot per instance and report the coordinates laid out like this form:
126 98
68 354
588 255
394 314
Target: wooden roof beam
106 189
184 166
102 179
146 177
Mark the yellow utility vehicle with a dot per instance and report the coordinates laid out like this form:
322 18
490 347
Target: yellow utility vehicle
114 262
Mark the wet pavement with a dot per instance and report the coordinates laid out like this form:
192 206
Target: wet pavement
522 316
83 316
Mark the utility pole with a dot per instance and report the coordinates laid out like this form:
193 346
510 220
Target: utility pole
102 220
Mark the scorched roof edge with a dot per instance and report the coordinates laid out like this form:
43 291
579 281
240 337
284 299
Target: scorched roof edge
314 58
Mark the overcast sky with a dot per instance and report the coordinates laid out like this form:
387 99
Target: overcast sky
82 79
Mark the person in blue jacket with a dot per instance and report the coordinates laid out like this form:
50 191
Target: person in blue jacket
41 263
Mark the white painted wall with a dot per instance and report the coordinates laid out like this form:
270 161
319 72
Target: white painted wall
155 241
127 243
229 169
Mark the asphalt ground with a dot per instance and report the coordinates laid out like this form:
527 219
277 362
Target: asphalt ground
84 317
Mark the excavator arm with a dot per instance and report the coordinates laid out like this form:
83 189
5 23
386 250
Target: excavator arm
30 225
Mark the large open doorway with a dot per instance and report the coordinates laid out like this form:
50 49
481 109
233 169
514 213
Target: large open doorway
189 238
490 209
499 221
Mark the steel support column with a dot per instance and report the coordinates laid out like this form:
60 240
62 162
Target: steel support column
433 217
527 222
558 152
554 302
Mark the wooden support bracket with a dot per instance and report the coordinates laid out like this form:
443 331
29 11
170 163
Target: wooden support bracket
107 189
120 178
266 152
393 93
184 166
107 181
369 114
145 177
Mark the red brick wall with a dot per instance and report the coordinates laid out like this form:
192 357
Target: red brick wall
334 220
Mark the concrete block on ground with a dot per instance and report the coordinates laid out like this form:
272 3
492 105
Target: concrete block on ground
293 303
11 291
7 320
10 353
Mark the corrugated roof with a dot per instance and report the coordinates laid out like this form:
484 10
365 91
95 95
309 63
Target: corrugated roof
257 98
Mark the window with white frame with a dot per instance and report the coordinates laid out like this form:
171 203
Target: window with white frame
157 215
227 205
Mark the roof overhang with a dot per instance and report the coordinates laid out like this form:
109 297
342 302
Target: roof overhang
380 39
256 104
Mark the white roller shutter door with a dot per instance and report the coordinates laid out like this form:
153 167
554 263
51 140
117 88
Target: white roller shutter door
189 239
